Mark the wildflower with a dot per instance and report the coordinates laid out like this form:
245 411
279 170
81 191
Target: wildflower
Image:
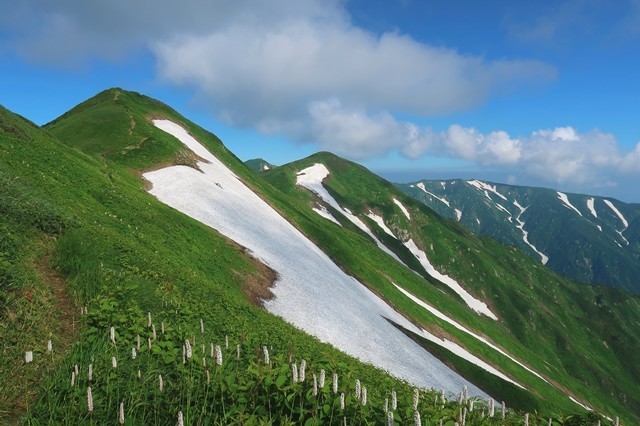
187 347
504 410
139 374
416 419
208 377
148 319
416 398
149 343
315 385
358 390
342 401
471 404
364 395
112 335
134 354
266 355
90 375
204 362
303 366
49 346
160 382
201 326
465 392
77 370
238 351
385 407
180 419
390 418
491 408
138 342
226 342
526 419
121 417
463 415
335 383
162 327
294 372
218 355
394 400
322 377
73 378
114 362
89 400
203 348
153 332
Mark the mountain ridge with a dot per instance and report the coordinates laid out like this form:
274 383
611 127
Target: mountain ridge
123 226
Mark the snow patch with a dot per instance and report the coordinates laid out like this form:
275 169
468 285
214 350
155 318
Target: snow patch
580 404
591 207
622 218
459 326
458 214
486 187
424 189
617 212
312 292
312 177
380 221
525 235
403 208
475 304
322 211
599 227
565 200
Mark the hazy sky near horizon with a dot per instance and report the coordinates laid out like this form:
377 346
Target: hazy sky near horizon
535 93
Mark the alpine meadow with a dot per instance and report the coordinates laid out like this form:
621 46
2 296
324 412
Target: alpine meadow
149 276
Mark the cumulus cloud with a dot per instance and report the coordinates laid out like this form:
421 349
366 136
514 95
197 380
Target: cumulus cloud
303 69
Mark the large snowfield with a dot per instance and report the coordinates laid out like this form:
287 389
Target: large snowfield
312 292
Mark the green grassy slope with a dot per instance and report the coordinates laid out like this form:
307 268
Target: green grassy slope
120 253
580 337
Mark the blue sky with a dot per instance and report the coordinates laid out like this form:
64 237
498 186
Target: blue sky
535 93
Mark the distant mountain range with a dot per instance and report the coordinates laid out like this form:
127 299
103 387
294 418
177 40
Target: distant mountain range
587 238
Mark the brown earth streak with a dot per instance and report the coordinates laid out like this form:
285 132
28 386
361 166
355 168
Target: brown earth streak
257 286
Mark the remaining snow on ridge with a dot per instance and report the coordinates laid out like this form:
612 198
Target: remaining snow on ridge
590 206
403 208
475 304
565 200
525 235
380 221
599 227
459 326
580 404
312 292
458 214
424 189
312 177
485 186
622 218
616 211
322 211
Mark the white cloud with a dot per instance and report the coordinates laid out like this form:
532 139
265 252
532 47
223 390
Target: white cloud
302 69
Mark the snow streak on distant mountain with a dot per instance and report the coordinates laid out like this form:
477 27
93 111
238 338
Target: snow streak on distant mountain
587 238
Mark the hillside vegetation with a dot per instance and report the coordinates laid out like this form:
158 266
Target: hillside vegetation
90 261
